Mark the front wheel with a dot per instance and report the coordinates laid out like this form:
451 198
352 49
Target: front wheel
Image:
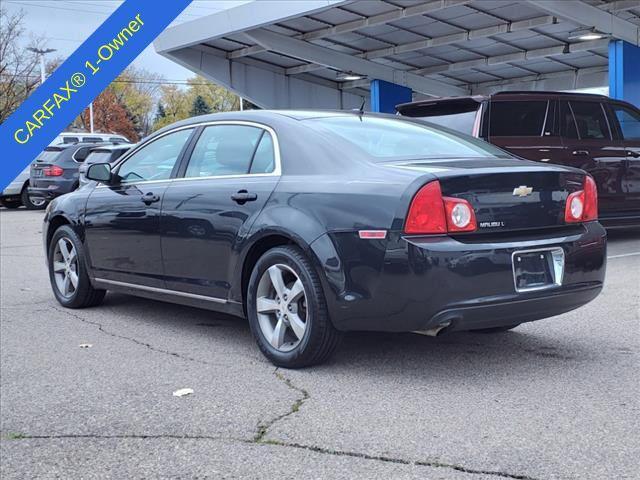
287 310
68 271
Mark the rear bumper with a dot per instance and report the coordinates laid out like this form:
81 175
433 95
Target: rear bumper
621 221
14 189
49 192
420 283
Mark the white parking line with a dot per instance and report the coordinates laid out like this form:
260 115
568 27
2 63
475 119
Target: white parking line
624 255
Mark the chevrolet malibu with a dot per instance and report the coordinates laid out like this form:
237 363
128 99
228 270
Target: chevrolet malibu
311 224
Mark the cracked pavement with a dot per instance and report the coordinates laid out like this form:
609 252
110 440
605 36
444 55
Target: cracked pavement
556 399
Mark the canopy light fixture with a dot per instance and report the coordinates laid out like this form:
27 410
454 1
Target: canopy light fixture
587 34
349 77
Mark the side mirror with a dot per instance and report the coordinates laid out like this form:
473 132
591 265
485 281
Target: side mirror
100 172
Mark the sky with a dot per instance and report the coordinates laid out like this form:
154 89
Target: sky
65 24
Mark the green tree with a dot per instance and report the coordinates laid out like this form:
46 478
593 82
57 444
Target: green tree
218 98
160 113
199 106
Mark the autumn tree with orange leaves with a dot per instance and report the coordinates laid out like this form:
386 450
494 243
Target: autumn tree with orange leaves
110 116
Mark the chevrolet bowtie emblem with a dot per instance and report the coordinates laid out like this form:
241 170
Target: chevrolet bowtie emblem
522 191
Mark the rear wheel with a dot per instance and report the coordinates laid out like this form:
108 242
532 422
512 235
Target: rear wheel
32 203
10 203
496 329
68 271
287 310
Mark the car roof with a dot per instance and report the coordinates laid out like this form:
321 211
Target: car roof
111 147
506 95
95 134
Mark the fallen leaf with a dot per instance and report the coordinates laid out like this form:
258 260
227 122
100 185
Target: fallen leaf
182 392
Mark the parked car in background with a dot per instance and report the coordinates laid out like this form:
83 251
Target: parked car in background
56 170
102 154
591 132
315 223
17 193
73 137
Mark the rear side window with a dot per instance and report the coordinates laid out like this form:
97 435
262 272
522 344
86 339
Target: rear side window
517 119
629 121
93 139
224 150
263 159
70 139
81 154
591 122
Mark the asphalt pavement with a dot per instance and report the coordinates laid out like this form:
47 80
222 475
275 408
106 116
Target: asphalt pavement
554 399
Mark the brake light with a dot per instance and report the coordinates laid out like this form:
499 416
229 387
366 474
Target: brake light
53 171
582 206
591 199
431 213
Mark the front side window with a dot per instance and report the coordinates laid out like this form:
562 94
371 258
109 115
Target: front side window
385 138
517 119
154 161
70 140
590 120
629 121
224 150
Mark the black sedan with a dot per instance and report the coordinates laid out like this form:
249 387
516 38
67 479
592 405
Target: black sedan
311 224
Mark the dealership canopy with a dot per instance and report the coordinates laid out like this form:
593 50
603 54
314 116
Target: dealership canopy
326 53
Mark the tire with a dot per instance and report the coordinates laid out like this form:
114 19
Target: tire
309 308
11 204
82 294
496 329
30 203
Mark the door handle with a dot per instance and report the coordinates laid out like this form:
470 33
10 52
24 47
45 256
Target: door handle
242 197
150 197
580 152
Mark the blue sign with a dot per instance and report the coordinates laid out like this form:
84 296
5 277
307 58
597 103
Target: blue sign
80 79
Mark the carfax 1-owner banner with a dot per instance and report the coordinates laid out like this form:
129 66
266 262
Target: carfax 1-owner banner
80 79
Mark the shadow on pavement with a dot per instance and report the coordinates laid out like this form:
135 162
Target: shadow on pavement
462 353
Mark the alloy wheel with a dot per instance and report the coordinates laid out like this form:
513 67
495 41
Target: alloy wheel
37 201
281 305
65 267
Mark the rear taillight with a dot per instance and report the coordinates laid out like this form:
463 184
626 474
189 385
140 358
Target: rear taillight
431 213
582 206
53 171
591 199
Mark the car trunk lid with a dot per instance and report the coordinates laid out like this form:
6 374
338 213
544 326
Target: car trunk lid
505 194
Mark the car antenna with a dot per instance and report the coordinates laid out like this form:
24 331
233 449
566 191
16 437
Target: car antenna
361 109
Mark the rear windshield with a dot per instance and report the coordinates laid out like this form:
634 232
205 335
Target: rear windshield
460 122
387 138
99 156
48 155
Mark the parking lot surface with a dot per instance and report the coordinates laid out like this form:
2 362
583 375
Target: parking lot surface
555 399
